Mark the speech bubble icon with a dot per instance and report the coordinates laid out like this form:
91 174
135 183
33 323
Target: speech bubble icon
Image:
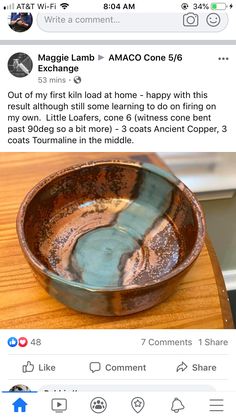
95 366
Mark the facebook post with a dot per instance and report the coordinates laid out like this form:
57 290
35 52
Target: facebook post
140 99
117 209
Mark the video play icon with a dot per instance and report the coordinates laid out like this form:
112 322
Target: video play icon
59 405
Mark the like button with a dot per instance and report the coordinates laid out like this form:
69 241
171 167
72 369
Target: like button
28 367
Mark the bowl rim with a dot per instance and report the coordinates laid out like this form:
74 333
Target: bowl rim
169 176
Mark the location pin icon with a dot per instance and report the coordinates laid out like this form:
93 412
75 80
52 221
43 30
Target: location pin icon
138 404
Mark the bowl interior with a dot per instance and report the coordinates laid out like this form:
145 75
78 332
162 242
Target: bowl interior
111 225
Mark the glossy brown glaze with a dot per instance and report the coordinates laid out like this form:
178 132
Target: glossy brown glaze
110 237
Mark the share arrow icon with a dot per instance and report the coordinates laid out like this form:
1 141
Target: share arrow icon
181 367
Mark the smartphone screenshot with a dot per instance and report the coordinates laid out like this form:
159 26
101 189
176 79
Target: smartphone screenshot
117 209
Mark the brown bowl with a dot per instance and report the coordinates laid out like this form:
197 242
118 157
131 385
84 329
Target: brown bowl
110 237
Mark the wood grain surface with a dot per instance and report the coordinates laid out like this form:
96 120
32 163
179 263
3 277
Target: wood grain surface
200 301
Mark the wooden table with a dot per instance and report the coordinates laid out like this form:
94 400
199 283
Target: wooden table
200 301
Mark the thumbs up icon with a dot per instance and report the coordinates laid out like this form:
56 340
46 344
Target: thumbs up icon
28 367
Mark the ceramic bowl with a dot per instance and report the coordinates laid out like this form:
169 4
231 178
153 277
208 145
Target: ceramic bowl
110 237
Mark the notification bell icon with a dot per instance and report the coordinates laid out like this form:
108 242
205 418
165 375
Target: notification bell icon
177 405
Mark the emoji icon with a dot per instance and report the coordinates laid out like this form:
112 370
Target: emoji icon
213 19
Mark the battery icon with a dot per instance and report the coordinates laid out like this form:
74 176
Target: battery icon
218 6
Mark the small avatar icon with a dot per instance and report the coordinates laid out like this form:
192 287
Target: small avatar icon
20 64
19 387
20 22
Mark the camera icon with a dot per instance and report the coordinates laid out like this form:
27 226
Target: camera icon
190 19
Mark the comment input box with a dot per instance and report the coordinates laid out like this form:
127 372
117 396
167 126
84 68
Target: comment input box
137 22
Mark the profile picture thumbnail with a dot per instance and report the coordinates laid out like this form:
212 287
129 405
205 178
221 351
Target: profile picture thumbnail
20 22
19 387
20 64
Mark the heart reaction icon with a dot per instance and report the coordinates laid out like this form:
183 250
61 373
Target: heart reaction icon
22 342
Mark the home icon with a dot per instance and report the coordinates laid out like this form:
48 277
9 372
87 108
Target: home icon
19 405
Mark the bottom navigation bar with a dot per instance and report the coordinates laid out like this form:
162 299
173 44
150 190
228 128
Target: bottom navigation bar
166 404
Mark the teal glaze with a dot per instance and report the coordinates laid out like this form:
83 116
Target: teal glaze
99 256
161 172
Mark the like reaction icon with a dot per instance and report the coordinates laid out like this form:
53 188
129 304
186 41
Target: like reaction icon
28 367
12 342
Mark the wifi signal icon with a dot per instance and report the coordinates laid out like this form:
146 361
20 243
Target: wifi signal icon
64 5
